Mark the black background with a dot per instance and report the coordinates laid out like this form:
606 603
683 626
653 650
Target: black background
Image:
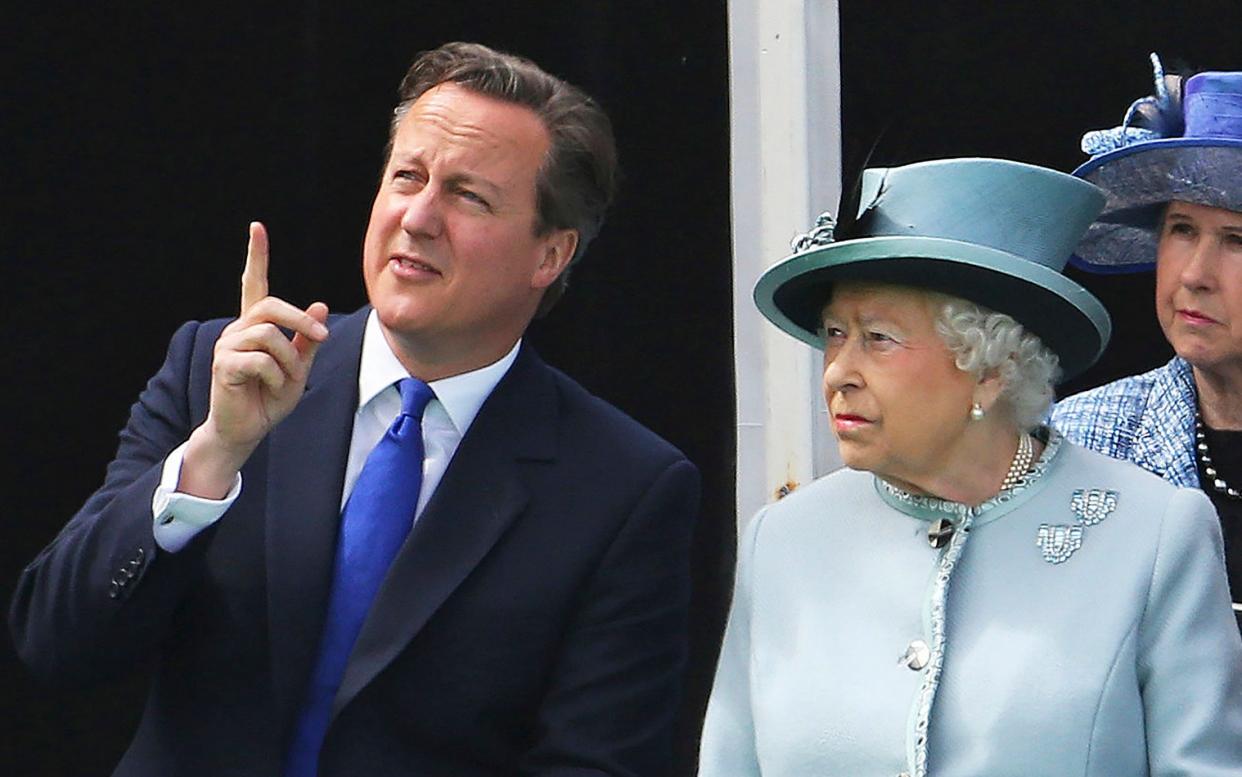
140 138
1023 81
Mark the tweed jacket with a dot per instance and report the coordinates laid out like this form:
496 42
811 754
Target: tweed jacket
1078 625
1148 419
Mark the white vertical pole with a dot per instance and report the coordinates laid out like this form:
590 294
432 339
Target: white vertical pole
785 118
824 153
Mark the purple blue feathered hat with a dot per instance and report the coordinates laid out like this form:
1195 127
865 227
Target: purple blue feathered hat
1183 143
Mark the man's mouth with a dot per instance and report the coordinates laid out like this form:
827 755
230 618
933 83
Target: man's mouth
410 266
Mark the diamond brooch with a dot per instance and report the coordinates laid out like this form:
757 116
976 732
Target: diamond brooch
1059 541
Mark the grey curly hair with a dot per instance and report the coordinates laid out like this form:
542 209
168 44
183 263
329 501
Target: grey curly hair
982 340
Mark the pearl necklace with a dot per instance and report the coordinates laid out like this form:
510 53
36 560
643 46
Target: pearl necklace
1205 458
1021 463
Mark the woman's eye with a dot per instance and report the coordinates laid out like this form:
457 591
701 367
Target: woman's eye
833 332
879 337
1181 228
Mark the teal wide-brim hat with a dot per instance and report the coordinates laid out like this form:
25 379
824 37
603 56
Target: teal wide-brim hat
1182 143
995 232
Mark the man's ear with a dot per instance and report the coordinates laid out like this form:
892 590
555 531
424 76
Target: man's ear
558 249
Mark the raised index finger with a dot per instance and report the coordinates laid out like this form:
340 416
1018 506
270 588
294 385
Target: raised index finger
254 277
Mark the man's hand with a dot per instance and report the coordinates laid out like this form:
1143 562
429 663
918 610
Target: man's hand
257 377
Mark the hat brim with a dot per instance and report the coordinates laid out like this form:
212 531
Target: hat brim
1063 314
1138 181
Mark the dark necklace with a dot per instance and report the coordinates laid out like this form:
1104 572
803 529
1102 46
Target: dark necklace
1205 458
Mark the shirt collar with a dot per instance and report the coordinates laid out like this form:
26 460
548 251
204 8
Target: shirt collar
461 396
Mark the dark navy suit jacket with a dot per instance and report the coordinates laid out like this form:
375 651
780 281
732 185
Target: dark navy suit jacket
534 621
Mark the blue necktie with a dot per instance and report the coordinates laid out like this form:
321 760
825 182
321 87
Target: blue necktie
374 523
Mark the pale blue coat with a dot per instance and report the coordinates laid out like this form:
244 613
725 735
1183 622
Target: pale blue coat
1124 659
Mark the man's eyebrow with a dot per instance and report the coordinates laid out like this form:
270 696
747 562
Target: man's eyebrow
405 155
403 158
474 181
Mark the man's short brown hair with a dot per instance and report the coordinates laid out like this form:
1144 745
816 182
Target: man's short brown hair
577 180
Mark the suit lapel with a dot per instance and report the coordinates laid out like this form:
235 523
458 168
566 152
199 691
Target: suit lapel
306 472
481 494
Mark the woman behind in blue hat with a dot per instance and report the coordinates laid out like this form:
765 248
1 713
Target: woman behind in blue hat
974 595
1173 176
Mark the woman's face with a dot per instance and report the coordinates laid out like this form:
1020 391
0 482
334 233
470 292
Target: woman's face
898 403
1199 284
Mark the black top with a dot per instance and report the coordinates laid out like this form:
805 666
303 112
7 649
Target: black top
1225 448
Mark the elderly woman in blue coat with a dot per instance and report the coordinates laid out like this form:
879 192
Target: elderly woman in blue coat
974 595
1173 175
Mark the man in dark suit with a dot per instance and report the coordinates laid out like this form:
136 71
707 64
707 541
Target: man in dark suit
532 620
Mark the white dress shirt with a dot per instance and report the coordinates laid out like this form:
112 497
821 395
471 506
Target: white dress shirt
179 517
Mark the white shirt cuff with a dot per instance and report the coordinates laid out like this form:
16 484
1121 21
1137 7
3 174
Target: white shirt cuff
180 517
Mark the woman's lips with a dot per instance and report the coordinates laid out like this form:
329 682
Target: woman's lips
1195 317
845 422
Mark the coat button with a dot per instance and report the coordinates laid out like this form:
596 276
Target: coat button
114 590
917 655
940 532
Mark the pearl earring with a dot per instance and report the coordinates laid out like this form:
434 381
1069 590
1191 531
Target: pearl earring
976 412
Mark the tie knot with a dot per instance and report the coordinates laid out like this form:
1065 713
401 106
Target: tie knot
414 397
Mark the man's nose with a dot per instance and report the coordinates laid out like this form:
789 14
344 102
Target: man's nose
422 215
